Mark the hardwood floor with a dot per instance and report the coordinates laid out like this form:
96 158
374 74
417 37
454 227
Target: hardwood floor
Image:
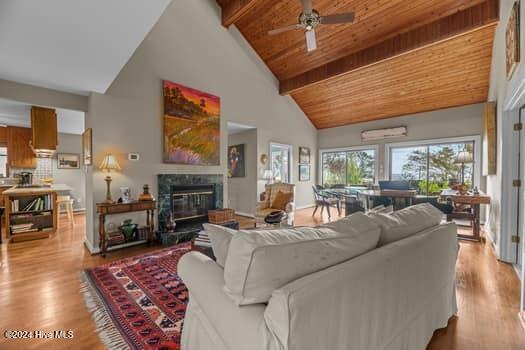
40 290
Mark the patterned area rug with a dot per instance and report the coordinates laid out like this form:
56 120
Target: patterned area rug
138 302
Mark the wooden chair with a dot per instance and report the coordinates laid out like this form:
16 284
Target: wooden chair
325 202
66 202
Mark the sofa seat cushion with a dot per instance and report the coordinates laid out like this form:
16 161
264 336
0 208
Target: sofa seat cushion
220 238
261 261
406 222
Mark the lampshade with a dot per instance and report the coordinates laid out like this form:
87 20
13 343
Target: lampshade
109 163
268 175
464 157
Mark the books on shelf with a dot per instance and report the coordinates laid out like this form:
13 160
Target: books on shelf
39 203
23 228
202 239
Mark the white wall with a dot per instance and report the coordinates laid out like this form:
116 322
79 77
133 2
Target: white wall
242 191
501 223
451 122
189 46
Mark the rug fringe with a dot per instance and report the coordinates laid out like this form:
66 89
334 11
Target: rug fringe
108 333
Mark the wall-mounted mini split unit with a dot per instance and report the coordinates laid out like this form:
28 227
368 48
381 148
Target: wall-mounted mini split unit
380 134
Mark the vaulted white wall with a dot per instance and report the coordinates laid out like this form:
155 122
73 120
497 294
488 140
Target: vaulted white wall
189 46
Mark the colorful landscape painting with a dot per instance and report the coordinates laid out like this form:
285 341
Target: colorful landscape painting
191 126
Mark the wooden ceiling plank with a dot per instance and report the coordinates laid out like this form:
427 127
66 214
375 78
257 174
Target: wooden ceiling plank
461 22
235 10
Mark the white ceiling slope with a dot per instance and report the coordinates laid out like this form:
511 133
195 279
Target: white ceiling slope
72 45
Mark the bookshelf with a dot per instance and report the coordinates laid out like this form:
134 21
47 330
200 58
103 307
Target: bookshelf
31 213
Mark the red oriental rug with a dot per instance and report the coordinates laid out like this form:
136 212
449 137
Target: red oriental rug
138 302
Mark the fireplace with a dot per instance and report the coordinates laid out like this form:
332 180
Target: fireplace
192 202
188 197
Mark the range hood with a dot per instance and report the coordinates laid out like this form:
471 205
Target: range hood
44 131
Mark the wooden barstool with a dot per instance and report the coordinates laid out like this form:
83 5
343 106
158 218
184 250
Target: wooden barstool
67 203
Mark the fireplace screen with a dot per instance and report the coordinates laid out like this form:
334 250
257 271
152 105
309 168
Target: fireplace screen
192 203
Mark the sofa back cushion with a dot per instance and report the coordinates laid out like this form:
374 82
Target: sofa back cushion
281 200
260 262
406 222
220 238
355 224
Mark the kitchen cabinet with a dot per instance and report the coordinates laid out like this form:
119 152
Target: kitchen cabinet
19 152
3 136
44 129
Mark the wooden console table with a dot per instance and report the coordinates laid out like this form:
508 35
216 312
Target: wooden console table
474 201
105 209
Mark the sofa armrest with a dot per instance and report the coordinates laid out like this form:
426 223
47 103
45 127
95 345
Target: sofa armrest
290 207
204 280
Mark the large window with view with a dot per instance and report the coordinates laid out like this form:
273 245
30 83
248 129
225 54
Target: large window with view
435 166
348 167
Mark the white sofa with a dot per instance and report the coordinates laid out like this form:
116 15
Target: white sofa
391 297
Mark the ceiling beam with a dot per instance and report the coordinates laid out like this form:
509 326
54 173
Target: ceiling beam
464 21
233 10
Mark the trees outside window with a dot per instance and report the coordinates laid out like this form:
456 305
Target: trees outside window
348 167
431 168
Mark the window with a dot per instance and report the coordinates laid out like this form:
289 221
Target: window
432 167
281 160
348 167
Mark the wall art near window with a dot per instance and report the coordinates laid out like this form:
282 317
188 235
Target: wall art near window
304 155
304 172
490 142
191 126
512 40
68 161
87 147
236 162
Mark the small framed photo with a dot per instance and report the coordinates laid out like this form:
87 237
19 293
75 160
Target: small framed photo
125 194
68 161
304 155
304 172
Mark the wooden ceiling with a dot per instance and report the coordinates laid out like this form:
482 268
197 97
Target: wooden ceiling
398 57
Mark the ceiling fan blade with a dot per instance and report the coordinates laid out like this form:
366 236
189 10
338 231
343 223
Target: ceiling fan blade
311 42
284 29
307 6
338 18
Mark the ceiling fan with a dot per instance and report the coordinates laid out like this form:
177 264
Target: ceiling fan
309 19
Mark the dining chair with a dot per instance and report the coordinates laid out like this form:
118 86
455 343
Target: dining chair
325 201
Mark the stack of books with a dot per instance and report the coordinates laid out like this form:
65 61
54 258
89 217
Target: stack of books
23 228
114 238
202 239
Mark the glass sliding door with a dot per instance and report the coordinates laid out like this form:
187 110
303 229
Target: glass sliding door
348 167
432 167
281 160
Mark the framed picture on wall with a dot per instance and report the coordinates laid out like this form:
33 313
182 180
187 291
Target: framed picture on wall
68 161
304 155
304 172
236 163
512 40
87 147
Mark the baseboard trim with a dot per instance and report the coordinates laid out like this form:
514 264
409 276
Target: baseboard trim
305 206
92 250
240 213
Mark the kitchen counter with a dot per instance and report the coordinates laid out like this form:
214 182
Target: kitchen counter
28 191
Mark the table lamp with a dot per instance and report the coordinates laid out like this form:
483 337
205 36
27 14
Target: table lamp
268 175
109 164
464 157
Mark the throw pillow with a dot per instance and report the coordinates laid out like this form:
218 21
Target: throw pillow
406 222
262 261
220 238
281 199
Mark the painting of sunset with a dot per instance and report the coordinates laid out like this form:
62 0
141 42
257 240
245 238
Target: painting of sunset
191 126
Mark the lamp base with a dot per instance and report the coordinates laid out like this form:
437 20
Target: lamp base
108 199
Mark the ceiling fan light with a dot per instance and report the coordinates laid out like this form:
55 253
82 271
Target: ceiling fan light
309 27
